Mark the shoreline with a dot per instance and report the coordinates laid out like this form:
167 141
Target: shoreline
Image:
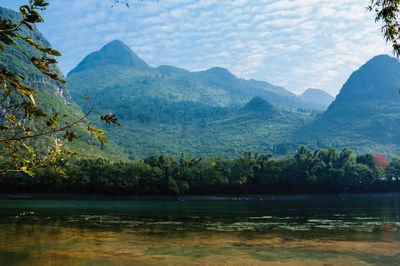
216 197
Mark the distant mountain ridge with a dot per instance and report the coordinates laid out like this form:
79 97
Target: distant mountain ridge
317 96
215 86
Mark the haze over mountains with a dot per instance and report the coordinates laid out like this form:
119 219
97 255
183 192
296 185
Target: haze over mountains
169 110
317 96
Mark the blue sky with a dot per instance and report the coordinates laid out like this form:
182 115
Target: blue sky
296 44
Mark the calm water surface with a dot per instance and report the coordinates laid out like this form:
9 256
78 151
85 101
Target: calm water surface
257 230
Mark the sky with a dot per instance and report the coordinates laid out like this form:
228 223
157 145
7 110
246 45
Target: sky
296 44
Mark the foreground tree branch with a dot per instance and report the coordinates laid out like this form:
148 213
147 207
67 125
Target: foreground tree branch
388 12
22 119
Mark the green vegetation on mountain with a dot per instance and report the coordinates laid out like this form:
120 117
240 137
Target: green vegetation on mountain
50 97
115 69
365 114
202 130
168 110
172 111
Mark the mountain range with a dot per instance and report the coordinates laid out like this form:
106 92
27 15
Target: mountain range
127 73
172 110
169 110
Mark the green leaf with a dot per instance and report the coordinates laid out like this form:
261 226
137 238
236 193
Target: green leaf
25 170
32 99
4 127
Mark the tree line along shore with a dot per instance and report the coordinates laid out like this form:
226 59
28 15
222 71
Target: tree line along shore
319 171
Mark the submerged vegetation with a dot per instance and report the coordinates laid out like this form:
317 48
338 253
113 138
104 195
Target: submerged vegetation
321 171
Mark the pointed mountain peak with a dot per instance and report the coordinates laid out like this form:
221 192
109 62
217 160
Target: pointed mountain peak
258 103
114 53
261 106
117 46
379 78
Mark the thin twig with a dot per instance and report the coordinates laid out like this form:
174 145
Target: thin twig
51 131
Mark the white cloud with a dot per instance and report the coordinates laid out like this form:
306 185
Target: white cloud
293 43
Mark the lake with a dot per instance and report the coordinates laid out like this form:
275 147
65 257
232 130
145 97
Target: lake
253 230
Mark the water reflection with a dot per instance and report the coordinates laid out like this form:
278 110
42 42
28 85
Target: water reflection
288 231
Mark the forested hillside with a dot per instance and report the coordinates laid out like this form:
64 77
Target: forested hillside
168 110
116 70
365 114
51 96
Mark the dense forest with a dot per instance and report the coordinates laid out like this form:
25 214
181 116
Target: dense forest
321 171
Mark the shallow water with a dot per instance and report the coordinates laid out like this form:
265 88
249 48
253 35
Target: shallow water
291 230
